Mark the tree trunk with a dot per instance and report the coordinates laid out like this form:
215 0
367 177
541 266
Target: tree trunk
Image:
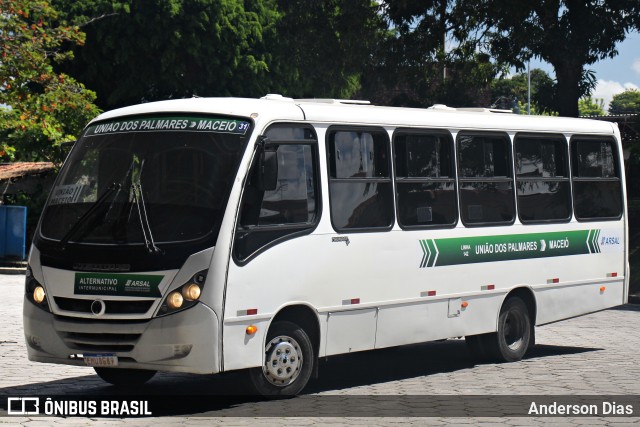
568 88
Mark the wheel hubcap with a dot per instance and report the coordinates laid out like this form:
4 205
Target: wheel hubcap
514 330
283 361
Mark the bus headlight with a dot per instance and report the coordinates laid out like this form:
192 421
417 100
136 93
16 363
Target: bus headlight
184 296
39 295
35 292
175 300
191 291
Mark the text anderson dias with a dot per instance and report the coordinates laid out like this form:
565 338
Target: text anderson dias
555 408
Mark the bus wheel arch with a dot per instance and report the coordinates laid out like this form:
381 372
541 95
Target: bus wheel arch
290 353
305 317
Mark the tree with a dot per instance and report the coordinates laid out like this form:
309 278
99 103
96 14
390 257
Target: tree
516 87
568 34
41 109
627 102
324 47
425 58
145 50
591 107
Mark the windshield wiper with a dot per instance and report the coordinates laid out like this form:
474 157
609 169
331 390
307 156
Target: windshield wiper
97 204
138 198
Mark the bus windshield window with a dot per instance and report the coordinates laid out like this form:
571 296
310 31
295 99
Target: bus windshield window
182 175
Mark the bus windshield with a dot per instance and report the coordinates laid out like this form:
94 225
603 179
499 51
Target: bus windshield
162 179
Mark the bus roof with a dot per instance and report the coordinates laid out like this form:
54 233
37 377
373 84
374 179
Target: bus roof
276 108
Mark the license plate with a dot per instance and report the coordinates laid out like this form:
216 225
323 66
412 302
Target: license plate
101 360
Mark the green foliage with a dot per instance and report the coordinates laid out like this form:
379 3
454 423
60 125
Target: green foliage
627 102
420 29
467 82
533 110
516 87
145 50
41 109
322 48
591 107
567 34
427 56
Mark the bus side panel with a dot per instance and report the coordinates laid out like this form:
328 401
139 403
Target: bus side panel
428 321
557 303
386 272
366 294
242 350
587 283
353 330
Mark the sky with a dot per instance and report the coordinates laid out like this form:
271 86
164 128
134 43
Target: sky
614 74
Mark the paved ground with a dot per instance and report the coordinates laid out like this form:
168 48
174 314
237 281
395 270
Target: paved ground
595 355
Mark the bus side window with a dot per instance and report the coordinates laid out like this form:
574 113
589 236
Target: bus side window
542 179
359 179
486 179
292 208
425 179
597 188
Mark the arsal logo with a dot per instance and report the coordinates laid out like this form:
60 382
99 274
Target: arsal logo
606 240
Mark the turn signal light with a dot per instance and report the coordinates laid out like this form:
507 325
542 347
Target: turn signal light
252 330
464 304
603 288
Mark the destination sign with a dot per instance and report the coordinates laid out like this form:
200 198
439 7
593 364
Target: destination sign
170 124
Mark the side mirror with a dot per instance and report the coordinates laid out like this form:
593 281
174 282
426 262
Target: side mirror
268 170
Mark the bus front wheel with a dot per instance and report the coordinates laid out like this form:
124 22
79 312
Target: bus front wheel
124 377
288 361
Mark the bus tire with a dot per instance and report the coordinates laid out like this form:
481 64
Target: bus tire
124 377
512 340
288 362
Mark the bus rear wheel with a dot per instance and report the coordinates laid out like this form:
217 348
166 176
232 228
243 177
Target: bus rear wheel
511 341
288 362
124 377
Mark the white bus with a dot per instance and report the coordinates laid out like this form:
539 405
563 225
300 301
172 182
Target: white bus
212 235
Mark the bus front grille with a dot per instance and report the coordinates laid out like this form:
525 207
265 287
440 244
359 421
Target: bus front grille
100 342
111 306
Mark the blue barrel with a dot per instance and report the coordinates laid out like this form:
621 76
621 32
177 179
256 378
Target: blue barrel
13 228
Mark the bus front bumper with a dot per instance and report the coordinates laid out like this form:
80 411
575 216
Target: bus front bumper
186 341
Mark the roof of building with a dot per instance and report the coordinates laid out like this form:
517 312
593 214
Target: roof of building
22 169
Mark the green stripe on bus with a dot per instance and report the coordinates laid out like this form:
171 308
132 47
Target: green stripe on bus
508 247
